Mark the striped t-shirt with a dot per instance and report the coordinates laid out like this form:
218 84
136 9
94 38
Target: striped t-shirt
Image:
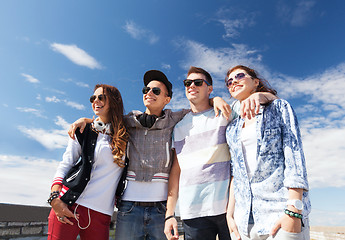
204 159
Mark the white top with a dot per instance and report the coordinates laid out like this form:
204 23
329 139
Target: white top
146 191
249 148
99 194
204 159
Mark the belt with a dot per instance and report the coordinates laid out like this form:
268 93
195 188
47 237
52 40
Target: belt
148 204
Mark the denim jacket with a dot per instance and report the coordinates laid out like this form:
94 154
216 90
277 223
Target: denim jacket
281 165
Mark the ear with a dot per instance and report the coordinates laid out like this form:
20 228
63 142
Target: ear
167 100
257 82
209 89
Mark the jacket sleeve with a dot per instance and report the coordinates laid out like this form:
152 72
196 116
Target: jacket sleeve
295 173
70 157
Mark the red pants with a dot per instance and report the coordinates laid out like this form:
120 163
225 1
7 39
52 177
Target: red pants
97 230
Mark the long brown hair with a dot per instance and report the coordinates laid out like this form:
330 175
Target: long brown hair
118 129
263 86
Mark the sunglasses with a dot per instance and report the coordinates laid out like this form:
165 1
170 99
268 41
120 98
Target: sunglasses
197 82
238 77
101 97
155 90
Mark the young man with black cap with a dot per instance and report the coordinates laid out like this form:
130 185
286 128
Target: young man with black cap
142 208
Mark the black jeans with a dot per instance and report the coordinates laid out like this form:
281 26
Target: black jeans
206 228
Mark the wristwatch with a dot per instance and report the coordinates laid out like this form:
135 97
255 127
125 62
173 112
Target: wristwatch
298 204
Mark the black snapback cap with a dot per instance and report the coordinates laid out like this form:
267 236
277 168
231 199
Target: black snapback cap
158 76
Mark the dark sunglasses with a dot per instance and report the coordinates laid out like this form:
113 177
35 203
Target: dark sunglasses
155 90
197 82
238 77
101 97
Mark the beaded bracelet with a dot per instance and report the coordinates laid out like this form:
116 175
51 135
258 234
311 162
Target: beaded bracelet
53 195
293 214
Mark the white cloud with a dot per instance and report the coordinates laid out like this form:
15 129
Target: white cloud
76 55
50 139
74 105
138 33
26 180
62 123
52 99
238 21
166 66
298 15
33 111
326 87
30 78
179 100
217 61
324 150
79 84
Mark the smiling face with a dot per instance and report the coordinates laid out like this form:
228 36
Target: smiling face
100 108
242 88
198 94
155 103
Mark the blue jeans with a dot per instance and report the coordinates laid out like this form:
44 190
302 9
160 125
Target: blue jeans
138 223
206 228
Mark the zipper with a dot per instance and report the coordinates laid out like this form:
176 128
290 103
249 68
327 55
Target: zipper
73 176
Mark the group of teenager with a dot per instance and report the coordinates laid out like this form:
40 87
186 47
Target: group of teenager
236 175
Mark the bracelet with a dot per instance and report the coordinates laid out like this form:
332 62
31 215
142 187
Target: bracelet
293 214
53 195
167 218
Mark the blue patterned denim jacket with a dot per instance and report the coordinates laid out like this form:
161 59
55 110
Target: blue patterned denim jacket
281 165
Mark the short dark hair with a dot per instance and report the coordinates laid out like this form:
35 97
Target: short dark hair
193 69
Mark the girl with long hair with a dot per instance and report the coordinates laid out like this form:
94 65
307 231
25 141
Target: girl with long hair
83 190
269 187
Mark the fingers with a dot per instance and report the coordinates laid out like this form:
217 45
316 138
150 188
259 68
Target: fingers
176 236
216 111
71 131
275 228
250 107
233 228
170 229
226 112
82 127
64 220
68 221
237 234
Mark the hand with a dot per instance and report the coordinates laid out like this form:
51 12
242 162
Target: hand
220 104
62 212
233 227
287 223
171 226
80 123
250 106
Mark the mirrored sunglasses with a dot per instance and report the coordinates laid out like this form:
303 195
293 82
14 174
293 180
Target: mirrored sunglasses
238 77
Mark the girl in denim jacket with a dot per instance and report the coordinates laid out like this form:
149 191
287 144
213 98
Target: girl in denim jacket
269 187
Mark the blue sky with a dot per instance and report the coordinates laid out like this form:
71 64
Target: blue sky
52 53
